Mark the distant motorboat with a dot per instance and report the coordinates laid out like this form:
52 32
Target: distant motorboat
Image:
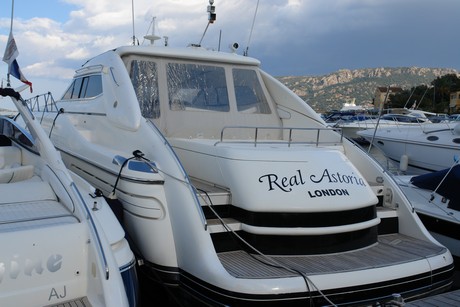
350 128
8 113
418 149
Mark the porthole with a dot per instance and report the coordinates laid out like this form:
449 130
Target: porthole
456 140
432 138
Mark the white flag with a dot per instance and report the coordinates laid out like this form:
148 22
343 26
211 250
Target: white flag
11 50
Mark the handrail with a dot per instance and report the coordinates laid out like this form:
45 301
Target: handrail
439 130
448 128
94 230
49 102
290 141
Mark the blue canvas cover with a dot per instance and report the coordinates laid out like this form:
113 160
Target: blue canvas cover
450 187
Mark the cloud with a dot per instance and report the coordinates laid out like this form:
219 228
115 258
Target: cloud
48 68
291 37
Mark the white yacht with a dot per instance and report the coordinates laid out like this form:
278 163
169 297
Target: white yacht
396 119
61 243
234 191
418 149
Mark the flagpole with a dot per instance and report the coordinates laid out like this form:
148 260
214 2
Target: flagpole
11 31
12 15
11 53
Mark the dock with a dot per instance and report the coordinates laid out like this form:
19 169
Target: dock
445 299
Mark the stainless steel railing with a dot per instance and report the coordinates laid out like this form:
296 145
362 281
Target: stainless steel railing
312 136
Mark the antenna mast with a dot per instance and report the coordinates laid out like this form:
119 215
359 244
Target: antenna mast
152 37
245 53
211 18
132 17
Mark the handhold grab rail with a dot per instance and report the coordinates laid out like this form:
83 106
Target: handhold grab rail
290 141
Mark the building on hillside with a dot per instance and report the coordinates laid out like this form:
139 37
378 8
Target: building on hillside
381 93
454 105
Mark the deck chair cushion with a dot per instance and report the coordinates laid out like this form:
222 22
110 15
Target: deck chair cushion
15 174
26 191
9 155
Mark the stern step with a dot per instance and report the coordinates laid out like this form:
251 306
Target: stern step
79 302
209 194
221 199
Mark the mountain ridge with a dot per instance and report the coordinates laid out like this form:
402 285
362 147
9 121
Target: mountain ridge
328 92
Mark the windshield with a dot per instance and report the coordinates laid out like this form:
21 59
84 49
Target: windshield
10 130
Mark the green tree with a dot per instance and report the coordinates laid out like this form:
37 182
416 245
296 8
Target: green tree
432 98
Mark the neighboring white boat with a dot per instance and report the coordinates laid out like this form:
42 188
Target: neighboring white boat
403 118
233 189
61 245
437 202
419 148
8 113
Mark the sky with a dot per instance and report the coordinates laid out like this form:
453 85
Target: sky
289 37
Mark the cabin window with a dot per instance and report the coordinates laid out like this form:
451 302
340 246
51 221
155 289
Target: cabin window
144 78
432 138
73 89
248 92
197 88
84 87
91 87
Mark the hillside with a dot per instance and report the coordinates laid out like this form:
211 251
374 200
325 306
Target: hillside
328 92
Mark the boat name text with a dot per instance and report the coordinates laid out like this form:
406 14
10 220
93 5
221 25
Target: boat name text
16 265
286 184
55 295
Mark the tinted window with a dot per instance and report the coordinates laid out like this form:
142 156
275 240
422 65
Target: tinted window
84 87
93 87
144 78
69 91
248 91
76 88
197 87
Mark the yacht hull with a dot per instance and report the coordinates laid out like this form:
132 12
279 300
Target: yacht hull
234 191
419 149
